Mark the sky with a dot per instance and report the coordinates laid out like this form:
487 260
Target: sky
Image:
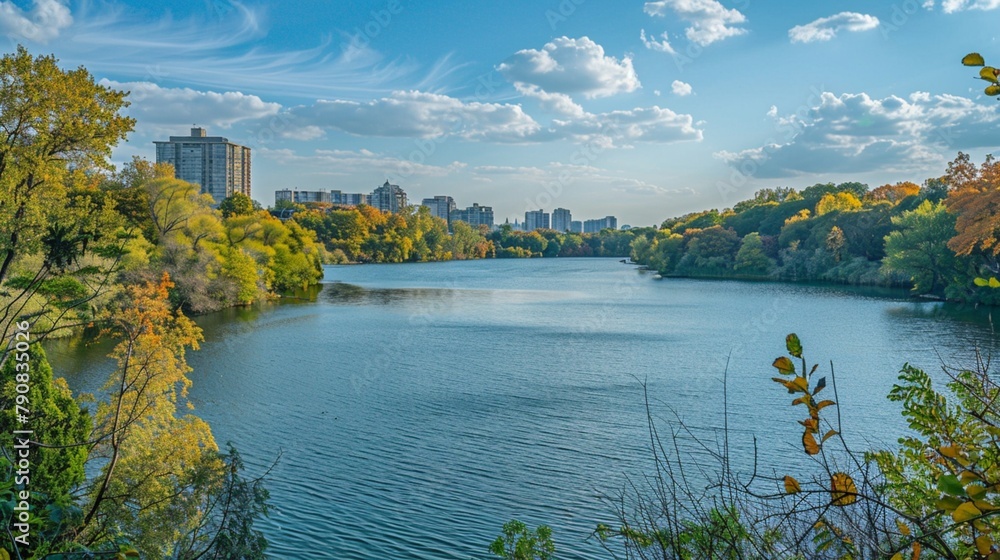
640 109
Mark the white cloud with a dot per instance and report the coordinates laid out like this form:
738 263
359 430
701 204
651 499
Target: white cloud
43 23
710 20
681 88
654 45
951 6
572 66
856 133
421 115
623 128
154 106
558 103
824 29
426 115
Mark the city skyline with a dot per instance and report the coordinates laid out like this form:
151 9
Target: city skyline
636 108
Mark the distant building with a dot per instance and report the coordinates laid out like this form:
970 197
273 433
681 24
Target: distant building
576 226
388 198
349 199
441 206
561 219
474 215
220 167
536 219
301 197
594 226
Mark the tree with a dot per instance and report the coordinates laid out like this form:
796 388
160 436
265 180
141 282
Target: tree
751 259
519 543
841 201
153 463
57 126
238 204
894 193
974 200
919 247
60 427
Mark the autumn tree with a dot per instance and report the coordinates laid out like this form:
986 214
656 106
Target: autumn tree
57 125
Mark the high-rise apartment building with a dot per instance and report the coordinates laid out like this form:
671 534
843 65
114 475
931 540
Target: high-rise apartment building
536 219
576 226
301 197
220 167
441 206
388 198
594 226
474 215
561 219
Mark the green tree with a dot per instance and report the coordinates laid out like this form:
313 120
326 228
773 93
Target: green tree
519 543
59 426
751 259
238 204
919 247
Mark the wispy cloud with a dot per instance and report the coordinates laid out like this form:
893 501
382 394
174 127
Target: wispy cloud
214 51
824 29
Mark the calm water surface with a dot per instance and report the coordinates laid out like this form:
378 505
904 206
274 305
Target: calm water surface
417 407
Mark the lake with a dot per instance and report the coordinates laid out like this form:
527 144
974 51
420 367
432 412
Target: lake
418 407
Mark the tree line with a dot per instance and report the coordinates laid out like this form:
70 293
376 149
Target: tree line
366 234
937 238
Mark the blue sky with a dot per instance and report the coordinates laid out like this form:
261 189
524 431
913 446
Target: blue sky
644 110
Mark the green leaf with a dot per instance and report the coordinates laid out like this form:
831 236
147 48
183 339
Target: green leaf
793 345
949 484
973 59
784 365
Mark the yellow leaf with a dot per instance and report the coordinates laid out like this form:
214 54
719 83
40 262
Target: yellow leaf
784 365
809 443
984 544
983 506
792 485
950 451
965 512
800 383
948 503
992 91
823 404
989 74
897 556
973 59
4 555
904 529
804 399
811 425
843 492
829 434
976 491
916 551
968 476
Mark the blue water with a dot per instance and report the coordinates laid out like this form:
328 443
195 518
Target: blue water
418 407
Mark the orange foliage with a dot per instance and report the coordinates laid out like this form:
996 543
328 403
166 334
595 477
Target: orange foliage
894 193
975 200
